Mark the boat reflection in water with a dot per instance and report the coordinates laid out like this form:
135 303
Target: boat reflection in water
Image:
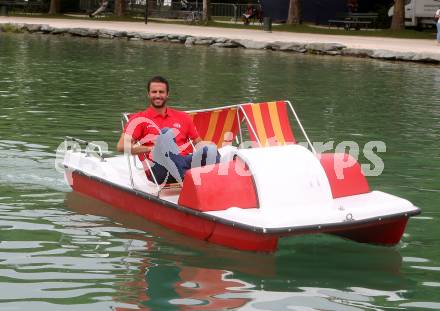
168 269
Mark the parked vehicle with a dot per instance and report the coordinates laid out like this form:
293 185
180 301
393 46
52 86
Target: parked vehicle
419 13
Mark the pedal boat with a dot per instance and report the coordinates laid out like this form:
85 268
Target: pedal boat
254 196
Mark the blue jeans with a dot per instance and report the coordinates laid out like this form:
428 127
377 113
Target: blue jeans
438 32
169 166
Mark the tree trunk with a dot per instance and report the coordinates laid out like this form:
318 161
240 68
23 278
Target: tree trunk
398 21
295 16
54 7
119 7
206 10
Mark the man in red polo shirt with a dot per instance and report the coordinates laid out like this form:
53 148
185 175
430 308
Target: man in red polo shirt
162 136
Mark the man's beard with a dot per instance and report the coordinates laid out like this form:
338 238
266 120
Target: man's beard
161 105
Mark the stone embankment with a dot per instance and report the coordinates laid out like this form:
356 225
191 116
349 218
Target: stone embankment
221 42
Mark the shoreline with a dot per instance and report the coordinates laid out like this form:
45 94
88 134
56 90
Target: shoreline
391 49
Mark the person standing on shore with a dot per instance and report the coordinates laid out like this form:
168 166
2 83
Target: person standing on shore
437 18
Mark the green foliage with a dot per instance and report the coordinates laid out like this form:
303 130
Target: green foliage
407 33
383 20
10 28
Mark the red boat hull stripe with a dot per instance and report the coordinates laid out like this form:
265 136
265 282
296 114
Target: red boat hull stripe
180 221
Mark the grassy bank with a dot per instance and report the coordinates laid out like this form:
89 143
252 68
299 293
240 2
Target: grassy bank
387 33
226 23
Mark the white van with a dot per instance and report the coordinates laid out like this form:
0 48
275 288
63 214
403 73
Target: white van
419 12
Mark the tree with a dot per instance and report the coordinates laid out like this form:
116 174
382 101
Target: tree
54 7
119 7
206 10
294 17
398 21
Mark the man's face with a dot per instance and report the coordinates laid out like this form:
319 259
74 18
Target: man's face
158 94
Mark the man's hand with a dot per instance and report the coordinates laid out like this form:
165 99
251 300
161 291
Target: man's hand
126 144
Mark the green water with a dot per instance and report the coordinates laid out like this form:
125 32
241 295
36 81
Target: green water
61 251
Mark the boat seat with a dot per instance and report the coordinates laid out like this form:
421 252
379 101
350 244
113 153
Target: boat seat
268 123
344 174
219 125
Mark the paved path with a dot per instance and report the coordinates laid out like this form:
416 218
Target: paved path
373 43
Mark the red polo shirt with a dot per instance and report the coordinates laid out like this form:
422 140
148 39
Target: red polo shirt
145 126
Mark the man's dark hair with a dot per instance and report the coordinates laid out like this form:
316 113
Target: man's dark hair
158 79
